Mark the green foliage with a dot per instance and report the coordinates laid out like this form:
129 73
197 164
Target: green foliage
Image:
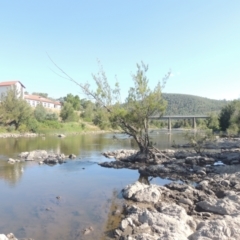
213 122
51 116
133 114
14 111
183 104
11 128
74 100
23 128
198 139
67 113
40 113
229 119
101 119
33 125
88 110
225 116
158 123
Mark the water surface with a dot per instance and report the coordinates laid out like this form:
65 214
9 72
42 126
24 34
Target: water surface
29 206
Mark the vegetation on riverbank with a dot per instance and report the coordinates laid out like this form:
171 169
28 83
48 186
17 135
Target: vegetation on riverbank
78 115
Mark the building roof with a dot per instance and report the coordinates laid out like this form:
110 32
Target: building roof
9 83
41 99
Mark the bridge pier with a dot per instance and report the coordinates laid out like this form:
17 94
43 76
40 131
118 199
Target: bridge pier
169 124
194 124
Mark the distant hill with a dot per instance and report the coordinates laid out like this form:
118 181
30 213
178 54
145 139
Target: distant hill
182 104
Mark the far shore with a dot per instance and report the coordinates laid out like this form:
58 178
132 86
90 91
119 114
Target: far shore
60 134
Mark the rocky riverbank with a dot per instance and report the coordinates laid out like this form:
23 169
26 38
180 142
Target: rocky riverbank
201 203
18 135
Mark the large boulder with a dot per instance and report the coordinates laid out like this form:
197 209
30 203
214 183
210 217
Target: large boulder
142 193
170 222
224 229
228 205
35 155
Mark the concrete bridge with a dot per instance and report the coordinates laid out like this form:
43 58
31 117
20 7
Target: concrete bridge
169 118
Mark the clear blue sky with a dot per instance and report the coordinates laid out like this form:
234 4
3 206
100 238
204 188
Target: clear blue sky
198 40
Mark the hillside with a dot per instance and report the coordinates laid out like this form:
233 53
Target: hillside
182 104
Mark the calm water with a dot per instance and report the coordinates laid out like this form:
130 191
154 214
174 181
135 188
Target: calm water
28 203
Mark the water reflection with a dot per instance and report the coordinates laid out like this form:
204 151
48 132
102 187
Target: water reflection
28 198
11 173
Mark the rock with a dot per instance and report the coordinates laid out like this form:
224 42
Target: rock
202 185
88 230
125 223
11 160
11 236
185 201
118 232
61 156
201 172
72 156
123 155
38 154
172 222
3 237
23 154
228 205
61 136
51 161
225 183
224 229
142 193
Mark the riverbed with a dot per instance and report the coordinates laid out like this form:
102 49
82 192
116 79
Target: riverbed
59 202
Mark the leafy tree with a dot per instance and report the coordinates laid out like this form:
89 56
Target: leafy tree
40 113
234 126
67 113
74 100
101 119
13 110
225 115
51 116
213 122
198 139
133 114
88 110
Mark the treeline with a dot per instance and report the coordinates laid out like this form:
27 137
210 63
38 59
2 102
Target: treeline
76 114
17 115
182 104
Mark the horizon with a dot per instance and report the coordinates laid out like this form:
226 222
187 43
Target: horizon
197 41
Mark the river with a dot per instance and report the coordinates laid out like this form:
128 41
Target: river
57 202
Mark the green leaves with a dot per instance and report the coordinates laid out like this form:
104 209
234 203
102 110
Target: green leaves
67 113
74 100
14 110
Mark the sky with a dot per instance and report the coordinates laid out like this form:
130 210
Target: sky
198 41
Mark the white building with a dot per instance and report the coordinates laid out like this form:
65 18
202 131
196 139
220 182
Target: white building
34 100
6 86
